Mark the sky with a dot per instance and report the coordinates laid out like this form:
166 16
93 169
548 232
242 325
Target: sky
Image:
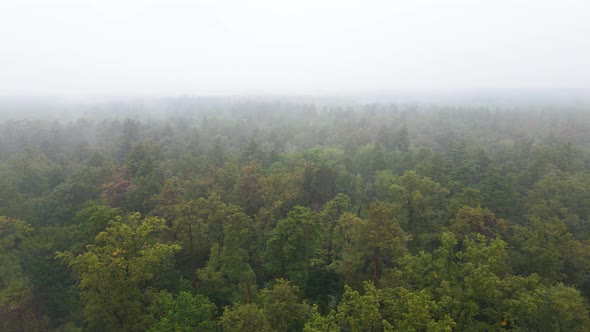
222 47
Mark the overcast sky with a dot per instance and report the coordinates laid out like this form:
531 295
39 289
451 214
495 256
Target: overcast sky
196 47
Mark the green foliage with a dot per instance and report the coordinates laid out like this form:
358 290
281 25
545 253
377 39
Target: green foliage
381 217
471 290
470 221
564 197
499 194
114 273
374 244
215 156
211 278
282 307
183 312
357 312
292 244
244 318
319 323
15 287
423 206
536 307
415 311
53 282
545 247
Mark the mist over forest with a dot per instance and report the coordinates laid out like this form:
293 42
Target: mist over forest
315 166
301 213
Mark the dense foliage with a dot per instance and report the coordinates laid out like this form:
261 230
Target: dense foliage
220 215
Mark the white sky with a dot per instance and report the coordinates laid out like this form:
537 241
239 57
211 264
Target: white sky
299 46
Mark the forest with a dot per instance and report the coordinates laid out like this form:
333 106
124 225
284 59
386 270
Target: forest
229 214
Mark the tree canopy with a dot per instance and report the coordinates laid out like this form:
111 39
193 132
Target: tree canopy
233 215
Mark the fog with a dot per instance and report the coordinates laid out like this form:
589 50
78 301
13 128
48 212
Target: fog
146 48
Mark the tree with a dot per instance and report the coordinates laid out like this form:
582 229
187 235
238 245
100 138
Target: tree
142 194
423 205
235 254
330 215
402 140
291 245
381 189
469 287
54 287
199 224
115 192
192 230
248 188
215 155
251 153
378 160
467 197
409 310
537 307
15 287
280 189
183 312
565 197
324 186
115 273
545 247
470 221
319 323
282 307
375 244
358 312
244 318
434 168
142 160
499 195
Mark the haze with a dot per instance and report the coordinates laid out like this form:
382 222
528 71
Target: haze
67 48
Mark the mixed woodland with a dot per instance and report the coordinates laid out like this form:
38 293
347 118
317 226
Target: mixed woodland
224 214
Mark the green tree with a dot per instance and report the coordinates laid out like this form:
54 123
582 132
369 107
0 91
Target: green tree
244 318
282 307
469 287
142 160
499 194
248 188
15 287
199 224
330 215
409 310
324 278
115 273
545 247
470 221
533 306
402 141
358 312
434 168
182 313
235 254
423 206
467 197
375 244
215 155
251 153
463 283
191 230
291 245
565 197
